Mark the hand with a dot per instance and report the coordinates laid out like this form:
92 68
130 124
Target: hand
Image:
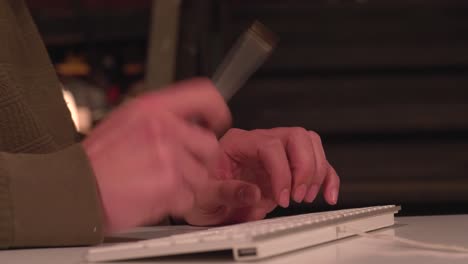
149 157
281 163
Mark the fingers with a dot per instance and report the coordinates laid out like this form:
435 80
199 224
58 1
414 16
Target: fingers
250 213
331 186
253 149
261 209
195 99
331 181
224 201
275 162
321 167
306 158
309 168
303 163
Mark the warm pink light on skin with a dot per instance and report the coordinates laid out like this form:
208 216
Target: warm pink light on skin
151 161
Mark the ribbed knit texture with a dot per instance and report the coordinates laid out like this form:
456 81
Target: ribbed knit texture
6 214
48 193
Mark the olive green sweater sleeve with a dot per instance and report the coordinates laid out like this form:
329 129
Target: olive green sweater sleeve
48 194
48 200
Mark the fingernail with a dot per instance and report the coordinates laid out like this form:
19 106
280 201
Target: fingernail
334 196
299 193
284 198
312 193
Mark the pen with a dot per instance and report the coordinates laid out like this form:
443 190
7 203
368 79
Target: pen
248 53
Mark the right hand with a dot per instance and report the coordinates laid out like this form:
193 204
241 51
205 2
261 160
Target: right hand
149 156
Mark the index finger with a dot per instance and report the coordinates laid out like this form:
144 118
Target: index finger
270 154
195 99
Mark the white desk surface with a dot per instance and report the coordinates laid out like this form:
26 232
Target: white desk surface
432 229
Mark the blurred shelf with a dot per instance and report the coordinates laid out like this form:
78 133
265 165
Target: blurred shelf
92 27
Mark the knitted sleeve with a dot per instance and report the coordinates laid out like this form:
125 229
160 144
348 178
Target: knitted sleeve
48 200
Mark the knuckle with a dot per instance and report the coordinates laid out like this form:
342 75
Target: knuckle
315 136
273 143
298 131
235 132
262 136
260 131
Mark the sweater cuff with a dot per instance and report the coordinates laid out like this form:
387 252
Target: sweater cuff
49 200
6 212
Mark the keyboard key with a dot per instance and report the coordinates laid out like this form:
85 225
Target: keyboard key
158 243
239 236
215 238
125 246
183 241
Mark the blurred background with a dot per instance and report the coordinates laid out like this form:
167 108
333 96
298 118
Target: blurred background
384 82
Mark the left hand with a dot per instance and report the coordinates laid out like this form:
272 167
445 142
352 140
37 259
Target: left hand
279 164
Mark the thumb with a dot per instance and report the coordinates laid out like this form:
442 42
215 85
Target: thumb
217 200
230 193
235 193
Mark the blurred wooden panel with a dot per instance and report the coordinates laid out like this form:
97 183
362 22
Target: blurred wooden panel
116 4
117 25
329 34
400 160
391 118
387 191
382 4
51 5
77 22
384 82
312 56
364 88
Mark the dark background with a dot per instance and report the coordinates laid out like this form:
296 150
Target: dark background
384 82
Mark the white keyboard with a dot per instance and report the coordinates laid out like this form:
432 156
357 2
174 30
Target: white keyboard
259 239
